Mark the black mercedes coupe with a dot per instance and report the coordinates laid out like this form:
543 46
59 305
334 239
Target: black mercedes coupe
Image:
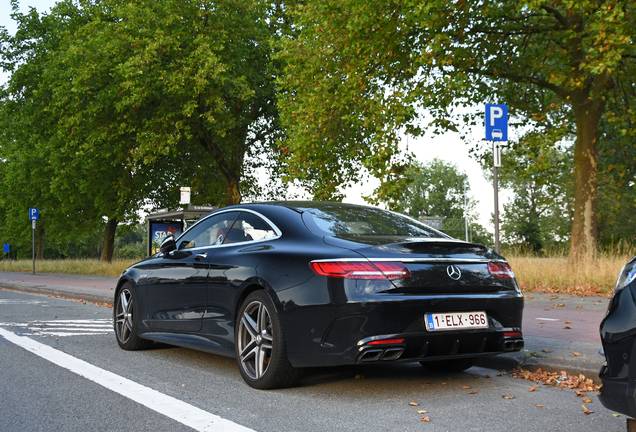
283 286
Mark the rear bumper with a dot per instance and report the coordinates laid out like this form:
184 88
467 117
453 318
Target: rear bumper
338 334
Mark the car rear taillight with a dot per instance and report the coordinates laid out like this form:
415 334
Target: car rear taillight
500 270
360 270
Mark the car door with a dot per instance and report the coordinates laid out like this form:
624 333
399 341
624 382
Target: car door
177 281
234 263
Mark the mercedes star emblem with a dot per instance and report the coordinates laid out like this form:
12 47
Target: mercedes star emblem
453 272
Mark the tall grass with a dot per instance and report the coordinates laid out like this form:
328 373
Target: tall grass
553 272
69 266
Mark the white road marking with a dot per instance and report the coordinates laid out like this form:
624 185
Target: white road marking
548 319
66 327
14 302
180 411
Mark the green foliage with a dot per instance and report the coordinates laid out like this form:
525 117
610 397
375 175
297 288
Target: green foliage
112 105
540 174
436 189
359 72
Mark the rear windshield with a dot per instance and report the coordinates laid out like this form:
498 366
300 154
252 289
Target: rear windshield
358 221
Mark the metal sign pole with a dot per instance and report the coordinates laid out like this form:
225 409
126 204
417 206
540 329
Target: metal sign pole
496 184
465 211
33 246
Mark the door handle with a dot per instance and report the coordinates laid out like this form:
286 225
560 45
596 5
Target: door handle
200 257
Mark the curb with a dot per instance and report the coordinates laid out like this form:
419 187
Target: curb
508 362
60 293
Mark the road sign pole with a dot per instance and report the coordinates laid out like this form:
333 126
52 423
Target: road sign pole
496 184
33 246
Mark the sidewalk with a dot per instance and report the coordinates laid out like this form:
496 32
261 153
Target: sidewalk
99 289
561 332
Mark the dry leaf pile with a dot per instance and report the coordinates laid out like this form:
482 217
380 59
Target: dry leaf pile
580 383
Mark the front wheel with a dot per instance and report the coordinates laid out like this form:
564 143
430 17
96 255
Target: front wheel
261 351
450 365
126 321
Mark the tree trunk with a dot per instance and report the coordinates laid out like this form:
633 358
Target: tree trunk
232 191
40 252
109 240
584 225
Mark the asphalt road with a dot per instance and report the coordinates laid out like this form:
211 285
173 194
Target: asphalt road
38 394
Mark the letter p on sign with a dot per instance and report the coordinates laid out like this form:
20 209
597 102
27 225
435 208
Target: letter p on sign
495 113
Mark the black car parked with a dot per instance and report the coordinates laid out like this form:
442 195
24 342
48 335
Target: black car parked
283 286
618 334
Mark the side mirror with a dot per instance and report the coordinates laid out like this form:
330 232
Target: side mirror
168 244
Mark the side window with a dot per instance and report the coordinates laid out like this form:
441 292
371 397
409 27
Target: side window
208 232
249 227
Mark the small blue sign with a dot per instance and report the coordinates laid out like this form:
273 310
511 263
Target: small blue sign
6 248
496 122
34 213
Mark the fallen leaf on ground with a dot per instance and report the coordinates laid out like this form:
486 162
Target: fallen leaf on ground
567 328
444 383
533 388
486 376
422 412
359 376
579 306
567 322
559 305
587 411
539 406
507 396
501 373
427 382
546 351
475 376
577 354
587 400
414 404
426 419
616 415
465 387
473 392
578 383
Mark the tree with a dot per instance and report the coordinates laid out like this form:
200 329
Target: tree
540 175
437 189
193 73
359 72
133 91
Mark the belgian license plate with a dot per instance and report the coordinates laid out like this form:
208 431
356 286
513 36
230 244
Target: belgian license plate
456 320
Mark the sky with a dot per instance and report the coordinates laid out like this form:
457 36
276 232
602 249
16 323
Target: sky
448 147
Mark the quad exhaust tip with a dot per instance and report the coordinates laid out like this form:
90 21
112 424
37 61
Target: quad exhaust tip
388 354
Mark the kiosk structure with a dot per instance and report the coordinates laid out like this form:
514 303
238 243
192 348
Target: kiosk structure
164 223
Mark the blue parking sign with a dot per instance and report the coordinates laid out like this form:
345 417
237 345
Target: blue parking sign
34 214
6 248
496 122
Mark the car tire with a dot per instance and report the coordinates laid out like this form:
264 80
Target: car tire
449 365
261 352
126 320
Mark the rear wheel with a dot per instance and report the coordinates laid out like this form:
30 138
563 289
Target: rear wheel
261 351
450 365
127 321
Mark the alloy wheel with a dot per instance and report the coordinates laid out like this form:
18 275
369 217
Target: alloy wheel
255 339
124 315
